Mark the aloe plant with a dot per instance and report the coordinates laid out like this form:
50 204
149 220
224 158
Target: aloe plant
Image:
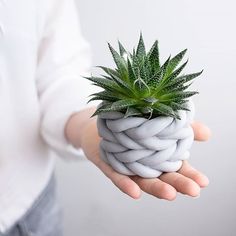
141 86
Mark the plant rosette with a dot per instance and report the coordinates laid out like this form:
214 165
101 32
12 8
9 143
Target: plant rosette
145 115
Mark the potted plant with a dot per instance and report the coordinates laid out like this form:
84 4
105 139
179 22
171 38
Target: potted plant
146 110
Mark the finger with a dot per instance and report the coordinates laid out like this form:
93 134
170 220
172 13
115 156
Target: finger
201 131
156 187
181 183
124 183
190 172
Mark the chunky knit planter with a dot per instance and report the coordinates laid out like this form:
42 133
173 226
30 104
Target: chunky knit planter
138 146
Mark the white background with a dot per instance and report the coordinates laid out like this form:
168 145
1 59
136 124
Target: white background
93 206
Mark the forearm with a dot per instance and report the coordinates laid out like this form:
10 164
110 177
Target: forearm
77 123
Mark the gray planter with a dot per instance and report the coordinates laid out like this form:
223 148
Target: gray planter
138 146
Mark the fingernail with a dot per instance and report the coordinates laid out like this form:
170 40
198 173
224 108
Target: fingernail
198 196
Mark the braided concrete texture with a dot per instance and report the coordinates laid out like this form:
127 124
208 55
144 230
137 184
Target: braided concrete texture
138 146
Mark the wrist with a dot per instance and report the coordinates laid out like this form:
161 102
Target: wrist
76 125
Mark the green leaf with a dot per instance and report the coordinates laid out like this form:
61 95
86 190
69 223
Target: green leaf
148 68
132 76
106 77
141 85
143 72
179 95
161 74
155 78
141 51
153 56
101 98
116 78
150 100
177 106
132 112
169 78
105 95
184 79
174 62
164 109
192 76
181 88
106 107
136 66
175 83
109 71
124 103
164 67
125 86
121 49
104 83
179 81
120 62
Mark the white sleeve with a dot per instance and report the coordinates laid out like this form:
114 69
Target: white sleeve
63 58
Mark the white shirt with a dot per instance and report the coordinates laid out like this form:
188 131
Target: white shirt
42 58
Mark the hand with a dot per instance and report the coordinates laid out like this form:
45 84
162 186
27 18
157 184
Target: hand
187 180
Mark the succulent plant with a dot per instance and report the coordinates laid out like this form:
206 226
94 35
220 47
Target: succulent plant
141 86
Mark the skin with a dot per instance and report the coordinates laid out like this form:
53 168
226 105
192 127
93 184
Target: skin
187 180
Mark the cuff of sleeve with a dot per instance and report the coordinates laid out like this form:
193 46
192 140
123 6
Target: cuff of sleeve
53 132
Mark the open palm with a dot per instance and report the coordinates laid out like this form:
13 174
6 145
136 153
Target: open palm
187 180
